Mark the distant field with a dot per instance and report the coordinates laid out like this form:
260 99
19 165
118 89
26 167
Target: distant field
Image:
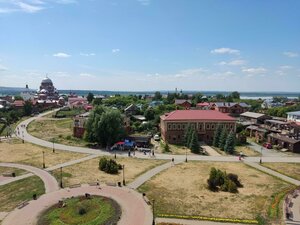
184 187
61 130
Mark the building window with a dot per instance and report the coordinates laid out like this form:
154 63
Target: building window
178 127
200 126
169 127
174 127
231 126
183 126
213 126
207 126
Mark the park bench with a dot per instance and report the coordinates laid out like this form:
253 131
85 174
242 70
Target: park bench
93 183
23 204
9 174
111 184
75 186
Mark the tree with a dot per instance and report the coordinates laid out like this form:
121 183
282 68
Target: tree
109 128
189 137
194 143
166 147
91 124
149 114
230 143
197 98
220 97
223 137
157 96
27 108
186 135
90 97
235 95
217 135
18 97
97 101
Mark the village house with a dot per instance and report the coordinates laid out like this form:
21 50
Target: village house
294 117
186 104
205 122
233 108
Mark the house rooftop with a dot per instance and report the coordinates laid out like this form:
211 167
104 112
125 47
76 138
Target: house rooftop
196 115
252 115
296 113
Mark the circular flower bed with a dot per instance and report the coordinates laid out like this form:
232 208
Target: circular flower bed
83 210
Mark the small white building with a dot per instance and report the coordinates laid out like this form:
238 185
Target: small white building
293 116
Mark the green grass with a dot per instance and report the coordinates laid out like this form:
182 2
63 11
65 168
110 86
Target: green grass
69 113
18 172
95 211
14 193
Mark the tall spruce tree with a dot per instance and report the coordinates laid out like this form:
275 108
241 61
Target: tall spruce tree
217 135
194 143
223 137
189 137
186 135
230 143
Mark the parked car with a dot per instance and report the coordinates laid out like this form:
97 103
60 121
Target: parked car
267 145
156 137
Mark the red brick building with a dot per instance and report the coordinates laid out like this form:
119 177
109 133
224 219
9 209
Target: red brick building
183 103
230 107
174 124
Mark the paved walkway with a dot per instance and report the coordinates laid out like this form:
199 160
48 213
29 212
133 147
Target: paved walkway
274 173
135 211
265 152
49 181
151 173
210 150
13 179
192 222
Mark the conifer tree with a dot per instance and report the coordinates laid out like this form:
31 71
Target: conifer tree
186 135
194 143
223 137
217 135
189 137
230 143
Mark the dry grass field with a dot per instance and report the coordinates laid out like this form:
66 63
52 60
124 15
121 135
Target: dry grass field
30 154
182 190
61 130
18 172
288 169
88 171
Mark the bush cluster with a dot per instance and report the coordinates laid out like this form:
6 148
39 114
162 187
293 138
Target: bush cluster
220 180
109 166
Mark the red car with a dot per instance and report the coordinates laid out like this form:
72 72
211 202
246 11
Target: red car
267 145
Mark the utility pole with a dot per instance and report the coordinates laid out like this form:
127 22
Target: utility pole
44 166
186 155
53 149
124 175
153 212
61 183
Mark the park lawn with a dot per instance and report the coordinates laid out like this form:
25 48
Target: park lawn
94 211
288 169
182 190
17 171
30 154
59 130
16 192
88 171
174 149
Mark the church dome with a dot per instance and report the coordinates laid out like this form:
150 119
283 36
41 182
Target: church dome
46 81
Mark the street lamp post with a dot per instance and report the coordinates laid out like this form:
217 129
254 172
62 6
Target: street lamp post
53 149
23 137
44 166
61 182
260 161
186 155
124 175
115 153
153 212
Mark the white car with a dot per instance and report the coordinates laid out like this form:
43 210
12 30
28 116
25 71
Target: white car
156 137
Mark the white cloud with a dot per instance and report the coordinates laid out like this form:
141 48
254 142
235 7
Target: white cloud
291 54
115 50
225 51
257 70
61 55
87 54
86 75
237 62
285 67
144 2
61 74
3 68
28 8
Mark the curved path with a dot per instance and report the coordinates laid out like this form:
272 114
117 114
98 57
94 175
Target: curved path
49 181
22 133
135 211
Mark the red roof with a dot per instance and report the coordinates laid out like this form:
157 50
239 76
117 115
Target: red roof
203 104
19 103
196 115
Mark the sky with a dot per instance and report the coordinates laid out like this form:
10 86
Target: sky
149 45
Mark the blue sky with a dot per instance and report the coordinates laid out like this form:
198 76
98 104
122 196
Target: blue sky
245 45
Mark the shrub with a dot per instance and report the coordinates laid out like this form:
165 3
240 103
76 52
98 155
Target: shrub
166 148
109 166
231 186
234 178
